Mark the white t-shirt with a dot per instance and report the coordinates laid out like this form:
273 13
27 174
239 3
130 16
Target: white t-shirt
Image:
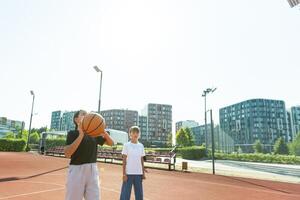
134 153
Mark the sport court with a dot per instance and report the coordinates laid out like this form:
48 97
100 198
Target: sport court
27 176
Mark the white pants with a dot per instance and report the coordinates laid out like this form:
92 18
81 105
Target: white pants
83 181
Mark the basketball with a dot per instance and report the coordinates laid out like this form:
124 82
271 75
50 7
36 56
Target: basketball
93 124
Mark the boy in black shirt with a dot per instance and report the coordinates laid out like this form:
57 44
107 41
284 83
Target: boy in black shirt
83 175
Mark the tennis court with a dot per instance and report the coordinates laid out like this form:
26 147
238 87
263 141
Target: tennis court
27 176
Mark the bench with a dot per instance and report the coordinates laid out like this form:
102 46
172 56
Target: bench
168 158
57 150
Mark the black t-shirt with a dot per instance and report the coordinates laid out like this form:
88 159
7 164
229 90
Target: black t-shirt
87 149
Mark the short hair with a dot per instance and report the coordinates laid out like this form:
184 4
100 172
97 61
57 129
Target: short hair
134 129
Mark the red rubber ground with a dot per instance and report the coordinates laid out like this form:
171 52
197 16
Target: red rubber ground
26 176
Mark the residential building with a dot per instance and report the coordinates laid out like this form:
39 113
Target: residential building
255 119
290 126
185 124
120 119
295 121
56 118
199 134
159 123
9 125
62 121
67 123
143 124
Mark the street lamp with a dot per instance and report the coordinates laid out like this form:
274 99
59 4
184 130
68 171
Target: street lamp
33 96
293 3
205 92
212 142
99 70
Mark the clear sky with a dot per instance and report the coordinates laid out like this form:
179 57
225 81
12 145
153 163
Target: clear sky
159 51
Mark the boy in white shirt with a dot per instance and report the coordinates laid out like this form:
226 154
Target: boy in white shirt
133 166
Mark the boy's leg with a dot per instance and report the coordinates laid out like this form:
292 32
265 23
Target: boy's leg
138 187
126 188
92 188
75 183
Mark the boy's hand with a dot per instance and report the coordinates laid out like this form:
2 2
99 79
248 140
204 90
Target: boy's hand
125 178
144 177
80 128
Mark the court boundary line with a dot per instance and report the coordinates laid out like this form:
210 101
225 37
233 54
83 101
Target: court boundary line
31 193
247 188
54 189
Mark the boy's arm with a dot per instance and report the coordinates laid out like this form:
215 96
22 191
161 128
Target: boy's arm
70 149
143 160
143 167
108 140
124 167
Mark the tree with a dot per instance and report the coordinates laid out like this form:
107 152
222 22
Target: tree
281 147
184 137
190 136
295 146
170 140
39 130
258 147
22 135
181 138
34 138
9 135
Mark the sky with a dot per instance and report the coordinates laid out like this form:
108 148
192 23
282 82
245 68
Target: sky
158 51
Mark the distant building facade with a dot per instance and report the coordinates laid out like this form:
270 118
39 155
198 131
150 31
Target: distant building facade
56 118
256 119
9 125
62 121
143 124
199 134
120 119
295 121
185 124
159 117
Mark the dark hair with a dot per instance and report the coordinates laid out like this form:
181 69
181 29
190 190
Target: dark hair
134 129
76 115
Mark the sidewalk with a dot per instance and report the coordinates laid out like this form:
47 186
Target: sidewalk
264 171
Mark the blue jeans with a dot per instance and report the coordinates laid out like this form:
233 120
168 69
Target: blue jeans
136 181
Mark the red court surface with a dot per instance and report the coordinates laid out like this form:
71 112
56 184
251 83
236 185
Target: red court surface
27 176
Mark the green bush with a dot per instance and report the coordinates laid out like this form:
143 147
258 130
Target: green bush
54 142
281 147
9 135
258 147
295 146
34 138
254 157
192 153
12 145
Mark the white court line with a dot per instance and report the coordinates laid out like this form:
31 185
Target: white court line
50 190
38 182
31 193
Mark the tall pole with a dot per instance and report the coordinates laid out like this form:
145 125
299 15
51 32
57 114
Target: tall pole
100 88
205 118
29 132
205 92
212 142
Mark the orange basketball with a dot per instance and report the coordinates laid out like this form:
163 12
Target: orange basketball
93 124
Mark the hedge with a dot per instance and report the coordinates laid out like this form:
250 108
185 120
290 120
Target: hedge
12 145
54 142
256 157
192 153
